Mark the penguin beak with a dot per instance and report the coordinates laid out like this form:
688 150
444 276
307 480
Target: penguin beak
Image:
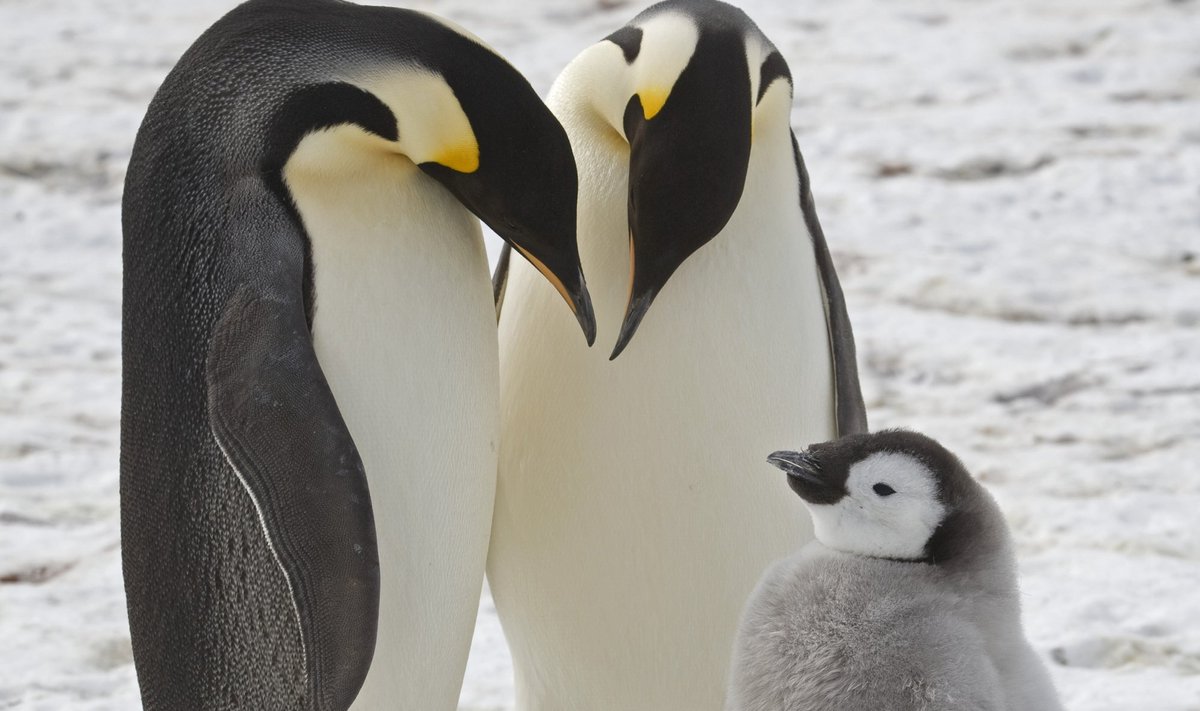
570 284
544 246
687 168
805 476
581 303
525 188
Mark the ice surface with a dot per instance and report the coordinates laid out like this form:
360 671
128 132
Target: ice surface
1011 189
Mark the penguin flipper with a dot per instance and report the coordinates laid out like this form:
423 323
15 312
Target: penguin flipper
500 278
851 412
274 416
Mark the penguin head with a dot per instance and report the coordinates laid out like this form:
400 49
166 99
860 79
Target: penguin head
677 89
892 494
524 183
472 122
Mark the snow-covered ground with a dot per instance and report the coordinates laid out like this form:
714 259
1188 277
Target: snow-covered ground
1012 192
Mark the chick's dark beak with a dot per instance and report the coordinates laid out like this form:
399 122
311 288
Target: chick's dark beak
800 465
805 477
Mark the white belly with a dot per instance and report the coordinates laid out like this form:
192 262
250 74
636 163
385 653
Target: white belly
635 510
405 333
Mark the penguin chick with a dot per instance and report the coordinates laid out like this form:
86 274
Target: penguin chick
906 601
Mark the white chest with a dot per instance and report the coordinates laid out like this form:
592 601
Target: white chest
635 511
404 331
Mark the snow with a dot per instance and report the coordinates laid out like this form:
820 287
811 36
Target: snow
1011 189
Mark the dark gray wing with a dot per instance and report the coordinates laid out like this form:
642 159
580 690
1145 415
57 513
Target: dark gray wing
850 411
276 421
500 278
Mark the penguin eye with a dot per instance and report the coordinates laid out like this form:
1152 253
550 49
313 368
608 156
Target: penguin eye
883 489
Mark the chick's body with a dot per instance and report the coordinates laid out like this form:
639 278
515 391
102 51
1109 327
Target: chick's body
834 630
831 630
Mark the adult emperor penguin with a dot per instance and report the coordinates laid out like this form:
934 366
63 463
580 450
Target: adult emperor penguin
627 531
308 316
906 601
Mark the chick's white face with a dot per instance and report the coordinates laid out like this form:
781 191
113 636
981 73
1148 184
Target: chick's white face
890 509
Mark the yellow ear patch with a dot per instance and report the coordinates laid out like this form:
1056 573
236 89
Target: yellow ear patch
653 101
463 157
433 129
669 40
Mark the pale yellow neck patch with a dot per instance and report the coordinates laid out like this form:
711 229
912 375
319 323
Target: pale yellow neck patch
774 112
602 81
774 109
756 53
433 129
668 43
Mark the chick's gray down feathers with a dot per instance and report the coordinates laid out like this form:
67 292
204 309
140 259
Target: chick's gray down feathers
827 630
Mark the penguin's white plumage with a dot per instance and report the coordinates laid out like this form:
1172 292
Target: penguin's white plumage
310 367
624 540
906 601
404 331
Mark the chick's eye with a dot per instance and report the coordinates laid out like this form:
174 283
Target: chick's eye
883 489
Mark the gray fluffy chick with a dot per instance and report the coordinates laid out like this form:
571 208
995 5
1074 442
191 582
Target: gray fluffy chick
906 601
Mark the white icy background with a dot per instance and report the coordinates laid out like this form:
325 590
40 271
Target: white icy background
1012 193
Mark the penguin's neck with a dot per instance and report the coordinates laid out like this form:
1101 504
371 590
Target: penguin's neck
404 330
399 269
602 157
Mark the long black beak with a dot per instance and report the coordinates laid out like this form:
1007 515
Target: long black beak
687 168
580 302
572 286
640 298
805 477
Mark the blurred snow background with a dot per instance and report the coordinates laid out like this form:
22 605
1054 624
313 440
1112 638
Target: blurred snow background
1011 189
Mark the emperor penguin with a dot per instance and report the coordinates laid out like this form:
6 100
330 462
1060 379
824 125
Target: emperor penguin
626 537
906 601
310 397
